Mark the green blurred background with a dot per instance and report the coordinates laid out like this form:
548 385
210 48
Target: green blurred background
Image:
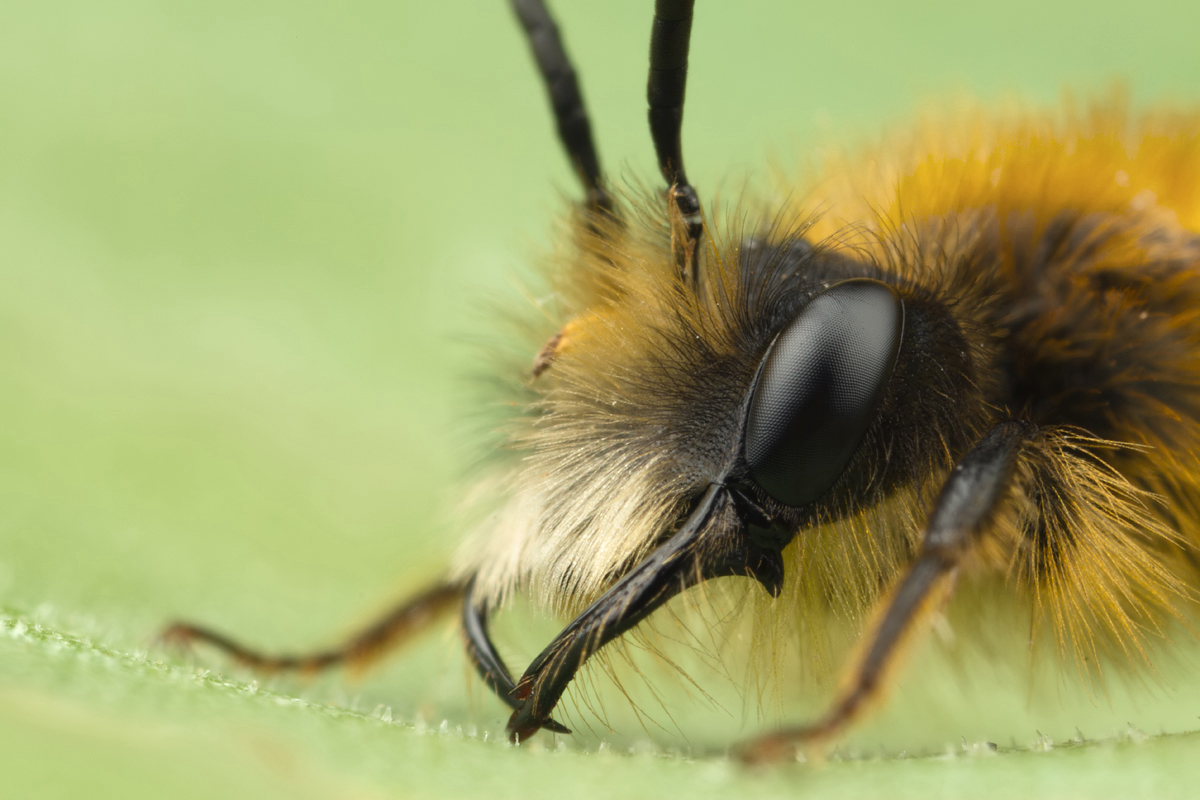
244 248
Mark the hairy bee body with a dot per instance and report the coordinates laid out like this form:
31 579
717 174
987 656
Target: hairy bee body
971 353
1050 267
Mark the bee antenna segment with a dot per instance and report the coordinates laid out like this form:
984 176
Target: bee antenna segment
562 86
669 39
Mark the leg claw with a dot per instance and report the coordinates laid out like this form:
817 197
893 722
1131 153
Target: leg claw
767 750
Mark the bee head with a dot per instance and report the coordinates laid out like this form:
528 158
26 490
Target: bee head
817 391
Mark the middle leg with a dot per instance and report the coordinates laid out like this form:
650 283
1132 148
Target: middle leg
360 651
965 507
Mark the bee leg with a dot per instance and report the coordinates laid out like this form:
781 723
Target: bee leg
709 544
966 505
487 661
360 651
562 86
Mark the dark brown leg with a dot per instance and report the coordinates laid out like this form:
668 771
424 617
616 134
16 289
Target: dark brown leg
709 544
359 652
667 571
487 661
964 508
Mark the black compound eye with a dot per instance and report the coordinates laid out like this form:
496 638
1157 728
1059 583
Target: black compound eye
819 388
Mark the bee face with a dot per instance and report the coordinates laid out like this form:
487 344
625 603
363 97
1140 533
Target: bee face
786 377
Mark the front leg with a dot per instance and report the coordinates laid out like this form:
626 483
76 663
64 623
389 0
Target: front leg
965 507
483 655
709 544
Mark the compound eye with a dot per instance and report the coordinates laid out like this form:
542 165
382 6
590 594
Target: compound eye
819 388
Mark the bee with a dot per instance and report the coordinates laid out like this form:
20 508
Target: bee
976 352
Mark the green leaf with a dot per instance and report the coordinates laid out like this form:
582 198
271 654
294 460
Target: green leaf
244 252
